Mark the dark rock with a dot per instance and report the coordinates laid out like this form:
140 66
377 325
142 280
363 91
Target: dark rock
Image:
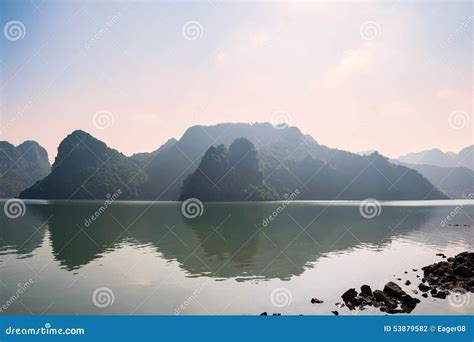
424 288
335 313
408 303
383 297
441 255
264 313
349 295
316 301
440 294
407 283
424 295
277 314
393 311
393 290
414 270
462 271
366 290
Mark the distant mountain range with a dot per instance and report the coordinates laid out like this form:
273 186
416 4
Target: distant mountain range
452 173
227 162
455 182
21 167
436 157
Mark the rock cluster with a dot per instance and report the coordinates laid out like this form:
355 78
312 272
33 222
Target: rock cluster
392 299
454 274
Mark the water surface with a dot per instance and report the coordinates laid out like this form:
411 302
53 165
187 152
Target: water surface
227 261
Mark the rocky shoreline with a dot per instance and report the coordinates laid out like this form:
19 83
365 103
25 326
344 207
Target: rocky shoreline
452 275
440 279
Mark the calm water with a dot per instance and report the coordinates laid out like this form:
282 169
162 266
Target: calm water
153 260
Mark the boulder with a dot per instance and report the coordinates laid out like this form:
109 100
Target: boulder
365 291
393 290
349 295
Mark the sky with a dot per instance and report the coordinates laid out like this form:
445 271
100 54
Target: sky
391 76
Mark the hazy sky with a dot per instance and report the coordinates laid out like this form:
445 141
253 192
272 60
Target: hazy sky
391 76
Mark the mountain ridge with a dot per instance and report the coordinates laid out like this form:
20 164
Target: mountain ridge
287 158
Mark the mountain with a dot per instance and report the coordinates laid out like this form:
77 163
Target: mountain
437 157
228 175
282 160
147 155
466 157
85 168
366 153
21 166
455 182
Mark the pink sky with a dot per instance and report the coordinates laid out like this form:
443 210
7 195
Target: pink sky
394 93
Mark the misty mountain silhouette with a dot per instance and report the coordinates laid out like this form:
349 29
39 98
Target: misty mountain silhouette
21 166
283 160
